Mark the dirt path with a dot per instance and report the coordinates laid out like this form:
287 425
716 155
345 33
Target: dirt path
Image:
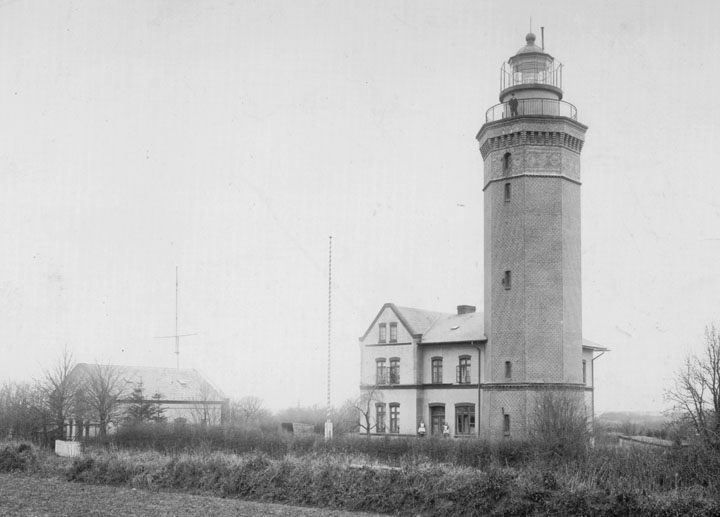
22 495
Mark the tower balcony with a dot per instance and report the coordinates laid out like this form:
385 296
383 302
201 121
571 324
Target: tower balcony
532 107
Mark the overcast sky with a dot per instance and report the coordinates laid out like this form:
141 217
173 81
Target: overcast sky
230 139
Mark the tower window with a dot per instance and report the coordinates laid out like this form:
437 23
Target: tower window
507 192
508 370
506 424
506 281
507 162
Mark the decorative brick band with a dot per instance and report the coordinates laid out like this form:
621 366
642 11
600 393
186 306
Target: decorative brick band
555 138
418 386
534 386
559 176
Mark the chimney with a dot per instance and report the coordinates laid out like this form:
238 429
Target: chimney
465 309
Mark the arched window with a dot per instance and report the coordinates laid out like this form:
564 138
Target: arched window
381 375
437 370
379 417
507 162
463 370
394 372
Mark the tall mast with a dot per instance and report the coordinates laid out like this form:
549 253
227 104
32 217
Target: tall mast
177 334
328 422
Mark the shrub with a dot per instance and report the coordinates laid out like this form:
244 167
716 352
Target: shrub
18 456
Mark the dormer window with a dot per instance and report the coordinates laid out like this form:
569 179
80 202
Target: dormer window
382 337
393 332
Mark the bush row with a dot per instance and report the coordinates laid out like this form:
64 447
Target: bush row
601 467
330 480
174 438
18 456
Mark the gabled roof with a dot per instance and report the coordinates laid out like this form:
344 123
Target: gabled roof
418 321
453 328
436 327
185 384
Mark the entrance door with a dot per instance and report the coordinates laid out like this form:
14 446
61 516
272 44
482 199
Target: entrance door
437 417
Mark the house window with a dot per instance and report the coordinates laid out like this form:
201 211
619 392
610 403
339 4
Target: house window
437 370
382 338
394 417
463 370
506 281
394 370
506 425
379 417
584 371
507 192
393 332
465 419
508 370
507 162
380 371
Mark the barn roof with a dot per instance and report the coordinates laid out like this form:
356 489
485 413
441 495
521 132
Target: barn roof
184 384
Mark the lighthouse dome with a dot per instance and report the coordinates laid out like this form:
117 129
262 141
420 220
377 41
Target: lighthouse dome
530 45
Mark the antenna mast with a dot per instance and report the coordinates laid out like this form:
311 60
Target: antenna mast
328 422
177 335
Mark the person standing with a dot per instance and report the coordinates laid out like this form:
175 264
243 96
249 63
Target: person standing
513 106
421 429
446 430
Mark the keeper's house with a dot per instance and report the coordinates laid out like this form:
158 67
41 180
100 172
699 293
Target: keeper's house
431 367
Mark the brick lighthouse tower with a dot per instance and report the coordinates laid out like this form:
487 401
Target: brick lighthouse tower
530 144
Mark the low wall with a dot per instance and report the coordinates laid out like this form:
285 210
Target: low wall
67 449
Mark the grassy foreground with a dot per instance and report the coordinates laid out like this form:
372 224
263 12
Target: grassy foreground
603 482
24 495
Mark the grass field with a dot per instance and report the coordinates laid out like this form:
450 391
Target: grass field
27 495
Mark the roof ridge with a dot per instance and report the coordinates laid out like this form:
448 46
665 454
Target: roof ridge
139 366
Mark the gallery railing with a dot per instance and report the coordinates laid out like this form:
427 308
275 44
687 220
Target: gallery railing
531 107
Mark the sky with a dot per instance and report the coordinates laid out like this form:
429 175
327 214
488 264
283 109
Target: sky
229 140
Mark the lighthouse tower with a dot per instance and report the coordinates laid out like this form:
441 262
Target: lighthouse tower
530 144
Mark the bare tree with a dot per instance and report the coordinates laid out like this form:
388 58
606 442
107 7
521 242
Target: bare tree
696 392
21 409
345 418
102 385
247 411
206 410
59 390
559 423
364 406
